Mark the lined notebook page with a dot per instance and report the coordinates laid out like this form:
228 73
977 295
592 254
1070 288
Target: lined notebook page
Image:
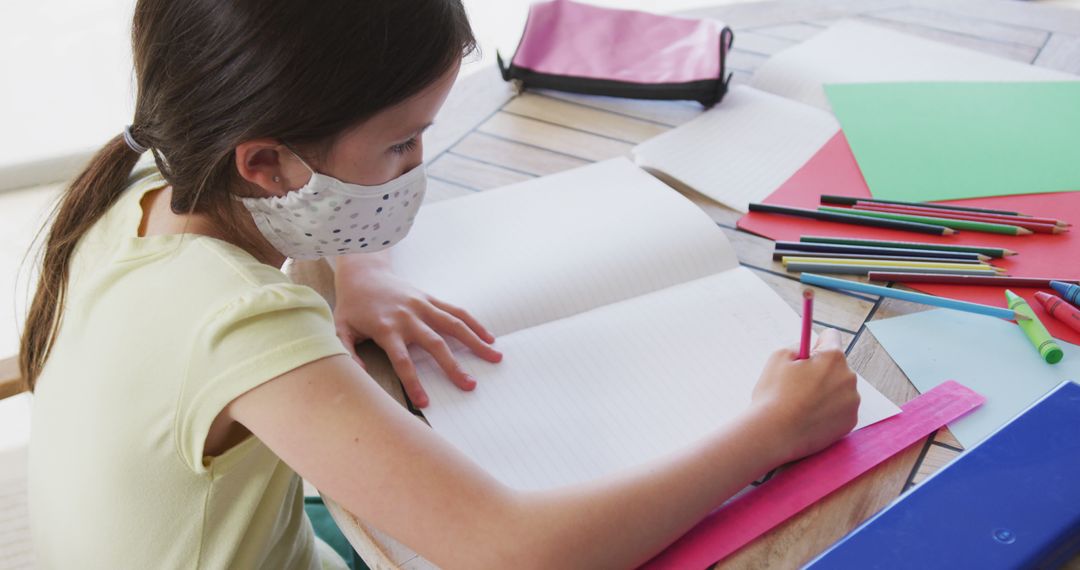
547 248
617 386
741 150
850 52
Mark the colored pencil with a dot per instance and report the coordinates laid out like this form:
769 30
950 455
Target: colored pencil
851 200
781 253
1034 227
996 252
845 285
882 251
939 212
807 323
986 227
995 281
838 269
891 263
846 218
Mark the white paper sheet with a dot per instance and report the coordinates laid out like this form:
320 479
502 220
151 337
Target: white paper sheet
741 150
608 389
854 52
551 247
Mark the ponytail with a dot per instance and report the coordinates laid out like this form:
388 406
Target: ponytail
82 205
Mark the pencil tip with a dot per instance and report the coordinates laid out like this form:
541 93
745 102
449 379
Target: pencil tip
948 232
1008 252
1059 230
1023 231
1020 317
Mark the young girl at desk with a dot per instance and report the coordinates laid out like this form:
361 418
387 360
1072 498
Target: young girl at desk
183 382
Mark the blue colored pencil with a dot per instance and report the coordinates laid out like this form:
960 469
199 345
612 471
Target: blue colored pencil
834 283
1068 291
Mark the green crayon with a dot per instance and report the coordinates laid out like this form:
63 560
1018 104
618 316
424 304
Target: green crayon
1034 329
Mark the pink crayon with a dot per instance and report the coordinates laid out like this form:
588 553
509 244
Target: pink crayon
1060 310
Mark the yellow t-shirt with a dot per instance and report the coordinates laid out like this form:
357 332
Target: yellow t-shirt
158 335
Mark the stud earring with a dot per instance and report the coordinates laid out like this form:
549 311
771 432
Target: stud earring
277 179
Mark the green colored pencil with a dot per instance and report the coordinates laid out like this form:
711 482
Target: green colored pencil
842 269
947 222
995 252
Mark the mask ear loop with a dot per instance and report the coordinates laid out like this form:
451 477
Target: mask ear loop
298 157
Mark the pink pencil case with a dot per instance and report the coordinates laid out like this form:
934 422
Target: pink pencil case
568 46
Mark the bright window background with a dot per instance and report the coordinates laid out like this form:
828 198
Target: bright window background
67 73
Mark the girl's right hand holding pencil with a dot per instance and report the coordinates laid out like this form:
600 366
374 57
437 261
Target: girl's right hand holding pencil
814 401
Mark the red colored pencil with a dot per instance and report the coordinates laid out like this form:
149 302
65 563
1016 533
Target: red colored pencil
1003 217
945 278
1019 222
807 323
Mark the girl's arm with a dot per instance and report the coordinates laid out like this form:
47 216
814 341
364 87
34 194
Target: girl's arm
337 428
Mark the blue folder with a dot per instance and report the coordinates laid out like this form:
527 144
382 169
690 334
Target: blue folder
1011 501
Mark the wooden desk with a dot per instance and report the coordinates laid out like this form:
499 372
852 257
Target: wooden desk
486 138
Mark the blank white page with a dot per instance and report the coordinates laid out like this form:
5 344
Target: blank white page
853 52
605 390
741 150
547 248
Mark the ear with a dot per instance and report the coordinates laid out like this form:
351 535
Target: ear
266 163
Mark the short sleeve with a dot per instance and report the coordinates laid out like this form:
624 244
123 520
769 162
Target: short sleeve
264 333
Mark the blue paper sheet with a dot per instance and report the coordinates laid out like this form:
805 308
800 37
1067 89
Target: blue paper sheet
988 355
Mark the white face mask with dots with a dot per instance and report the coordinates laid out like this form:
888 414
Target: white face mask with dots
328 217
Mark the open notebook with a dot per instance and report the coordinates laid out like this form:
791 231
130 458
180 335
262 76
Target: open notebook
629 329
743 149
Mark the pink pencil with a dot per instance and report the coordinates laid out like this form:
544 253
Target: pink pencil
807 322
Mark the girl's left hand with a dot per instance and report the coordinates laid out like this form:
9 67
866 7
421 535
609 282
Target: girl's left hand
374 303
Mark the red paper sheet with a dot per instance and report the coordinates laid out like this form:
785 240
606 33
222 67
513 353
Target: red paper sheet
750 515
833 170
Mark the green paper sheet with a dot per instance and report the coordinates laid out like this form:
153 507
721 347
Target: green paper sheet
945 141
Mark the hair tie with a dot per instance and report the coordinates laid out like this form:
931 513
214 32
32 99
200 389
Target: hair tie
130 140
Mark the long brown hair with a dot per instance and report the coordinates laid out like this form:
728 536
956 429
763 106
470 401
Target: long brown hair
214 73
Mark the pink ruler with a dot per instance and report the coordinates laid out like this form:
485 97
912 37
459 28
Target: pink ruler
747 517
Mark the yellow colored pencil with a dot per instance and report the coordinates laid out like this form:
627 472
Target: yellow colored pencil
887 263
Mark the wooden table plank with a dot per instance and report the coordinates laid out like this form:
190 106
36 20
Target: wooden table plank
572 142
470 101
1061 52
744 61
666 113
473 174
966 25
935 458
443 190
568 114
759 43
520 157
759 14
1025 14
1015 52
797 32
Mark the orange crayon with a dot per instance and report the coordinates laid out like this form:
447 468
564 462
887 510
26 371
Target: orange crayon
1060 310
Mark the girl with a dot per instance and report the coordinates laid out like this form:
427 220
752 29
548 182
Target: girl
183 382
